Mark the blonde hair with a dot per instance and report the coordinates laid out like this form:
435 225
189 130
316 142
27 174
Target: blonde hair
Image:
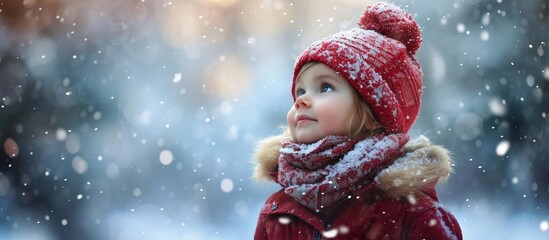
304 68
366 124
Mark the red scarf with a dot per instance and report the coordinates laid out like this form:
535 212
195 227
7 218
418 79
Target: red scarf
319 174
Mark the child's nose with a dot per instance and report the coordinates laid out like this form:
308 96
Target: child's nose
302 101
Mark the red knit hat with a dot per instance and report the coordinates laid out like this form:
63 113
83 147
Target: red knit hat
378 59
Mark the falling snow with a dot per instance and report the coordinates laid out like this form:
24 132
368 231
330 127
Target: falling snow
166 157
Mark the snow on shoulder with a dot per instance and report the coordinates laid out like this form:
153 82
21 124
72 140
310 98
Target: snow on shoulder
422 163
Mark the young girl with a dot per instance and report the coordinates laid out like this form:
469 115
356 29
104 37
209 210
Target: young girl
346 165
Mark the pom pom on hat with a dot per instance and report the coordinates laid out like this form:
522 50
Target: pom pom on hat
391 21
378 60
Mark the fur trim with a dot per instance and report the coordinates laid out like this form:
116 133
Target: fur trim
422 163
266 156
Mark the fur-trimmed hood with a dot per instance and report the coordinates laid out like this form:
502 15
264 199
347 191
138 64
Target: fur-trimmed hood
421 164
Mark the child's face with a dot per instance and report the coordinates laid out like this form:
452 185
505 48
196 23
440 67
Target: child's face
323 105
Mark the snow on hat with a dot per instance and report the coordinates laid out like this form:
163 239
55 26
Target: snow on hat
378 59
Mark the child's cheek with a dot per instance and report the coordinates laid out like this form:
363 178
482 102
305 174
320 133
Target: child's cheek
290 118
327 112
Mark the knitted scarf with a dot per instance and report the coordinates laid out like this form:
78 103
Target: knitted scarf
319 174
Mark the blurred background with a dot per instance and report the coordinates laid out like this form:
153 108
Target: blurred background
137 119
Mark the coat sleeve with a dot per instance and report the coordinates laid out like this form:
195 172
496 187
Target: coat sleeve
260 231
435 223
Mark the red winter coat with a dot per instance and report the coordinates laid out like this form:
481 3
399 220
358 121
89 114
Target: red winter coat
400 204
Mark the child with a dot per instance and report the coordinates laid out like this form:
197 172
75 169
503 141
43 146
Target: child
346 165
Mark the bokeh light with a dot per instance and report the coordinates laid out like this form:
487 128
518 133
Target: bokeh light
227 77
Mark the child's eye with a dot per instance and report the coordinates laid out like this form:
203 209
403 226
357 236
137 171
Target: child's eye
299 92
327 88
